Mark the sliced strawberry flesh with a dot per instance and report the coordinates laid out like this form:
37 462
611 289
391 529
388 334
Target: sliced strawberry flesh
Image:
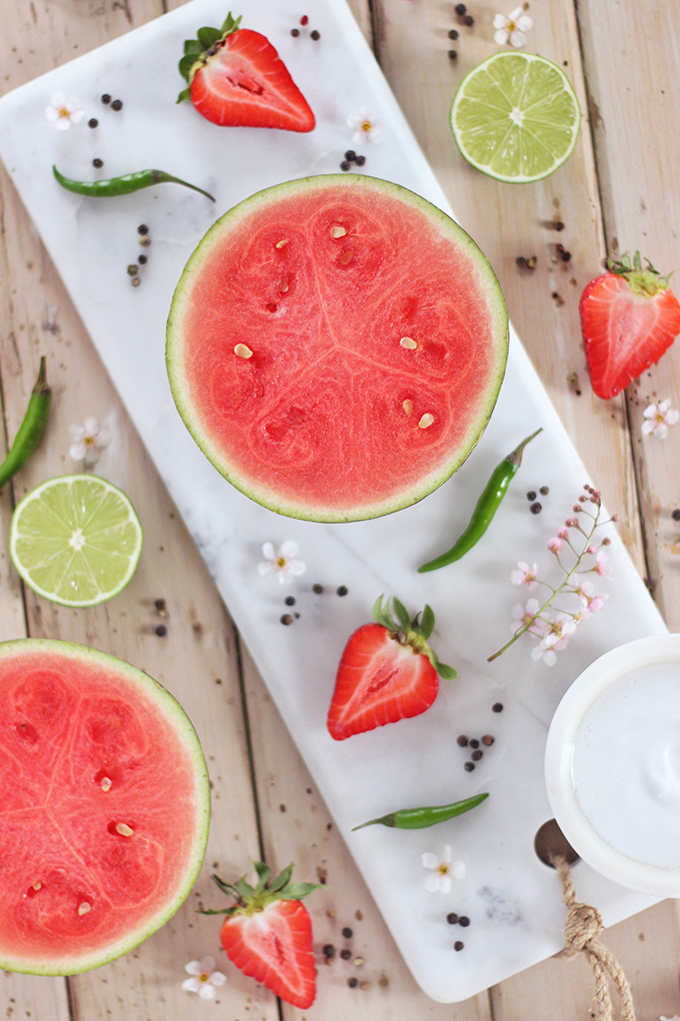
246 83
379 681
624 333
274 946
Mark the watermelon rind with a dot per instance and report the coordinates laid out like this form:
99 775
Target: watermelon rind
266 493
167 706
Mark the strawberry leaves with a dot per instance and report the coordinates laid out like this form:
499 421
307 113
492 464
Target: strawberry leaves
414 632
197 50
250 899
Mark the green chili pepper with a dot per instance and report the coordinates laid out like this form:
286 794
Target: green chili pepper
419 818
486 507
123 185
32 428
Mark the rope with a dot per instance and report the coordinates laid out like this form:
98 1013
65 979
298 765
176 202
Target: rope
581 933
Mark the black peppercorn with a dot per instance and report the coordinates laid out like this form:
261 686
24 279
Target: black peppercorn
161 630
287 619
360 160
488 740
544 490
329 950
536 508
342 590
497 707
315 35
345 954
531 495
289 600
453 33
347 932
295 32
117 104
345 165
452 918
464 921
106 99
474 743
97 163
142 229
350 155
352 982
453 54
460 9
476 756
142 260
318 589
458 945
462 741
469 766
93 122
468 20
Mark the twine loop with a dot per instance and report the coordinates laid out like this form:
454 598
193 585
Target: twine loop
581 932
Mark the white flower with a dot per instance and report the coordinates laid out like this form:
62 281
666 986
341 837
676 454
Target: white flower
365 127
542 652
525 616
525 575
674 1018
63 112
512 28
443 869
204 979
282 561
658 418
88 442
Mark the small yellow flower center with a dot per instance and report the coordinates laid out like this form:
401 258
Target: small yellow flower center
89 441
204 977
281 562
64 112
512 27
366 126
444 868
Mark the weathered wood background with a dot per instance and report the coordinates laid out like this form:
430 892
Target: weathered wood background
619 190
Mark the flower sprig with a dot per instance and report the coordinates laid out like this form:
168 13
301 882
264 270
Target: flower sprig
553 625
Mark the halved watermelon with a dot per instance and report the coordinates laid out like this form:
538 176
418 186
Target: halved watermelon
335 346
105 807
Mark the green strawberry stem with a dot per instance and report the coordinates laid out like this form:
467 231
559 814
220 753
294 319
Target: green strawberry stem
251 899
197 51
413 632
643 282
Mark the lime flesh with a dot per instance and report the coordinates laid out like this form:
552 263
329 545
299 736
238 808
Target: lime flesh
76 540
515 117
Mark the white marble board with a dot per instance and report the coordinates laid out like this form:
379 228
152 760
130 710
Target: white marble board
511 898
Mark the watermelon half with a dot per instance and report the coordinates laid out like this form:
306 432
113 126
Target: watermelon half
105 807
335 346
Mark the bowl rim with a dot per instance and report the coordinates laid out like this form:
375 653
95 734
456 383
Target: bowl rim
575 703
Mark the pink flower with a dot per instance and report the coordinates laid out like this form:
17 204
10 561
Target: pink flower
563 533
442 870
525 575
204 979
555 545
524 616
512 29
602 565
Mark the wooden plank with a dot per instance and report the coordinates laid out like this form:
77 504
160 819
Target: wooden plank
195 658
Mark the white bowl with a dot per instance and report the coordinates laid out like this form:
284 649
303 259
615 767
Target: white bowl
612 765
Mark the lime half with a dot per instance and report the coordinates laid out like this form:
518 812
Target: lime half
76 540
515 117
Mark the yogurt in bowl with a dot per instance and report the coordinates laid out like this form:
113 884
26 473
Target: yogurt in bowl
612 765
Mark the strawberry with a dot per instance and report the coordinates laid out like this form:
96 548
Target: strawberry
236 78
387 672
268 933
629 316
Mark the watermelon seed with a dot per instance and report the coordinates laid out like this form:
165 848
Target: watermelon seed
121 828
84 908
283 287
346 257
338 231
106 783
243 351
409 343
280 244
426 420
408 406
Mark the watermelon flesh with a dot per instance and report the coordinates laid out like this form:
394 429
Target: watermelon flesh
336 346
105 801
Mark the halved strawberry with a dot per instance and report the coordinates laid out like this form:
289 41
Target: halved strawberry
236 78
387 672
268 933
629 317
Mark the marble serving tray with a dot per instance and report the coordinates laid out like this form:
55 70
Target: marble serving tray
511 897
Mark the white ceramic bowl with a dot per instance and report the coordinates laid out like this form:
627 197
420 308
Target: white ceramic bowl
612 765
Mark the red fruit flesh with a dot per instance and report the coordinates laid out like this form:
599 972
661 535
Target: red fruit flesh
245 83
379 681
274 946
624 333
